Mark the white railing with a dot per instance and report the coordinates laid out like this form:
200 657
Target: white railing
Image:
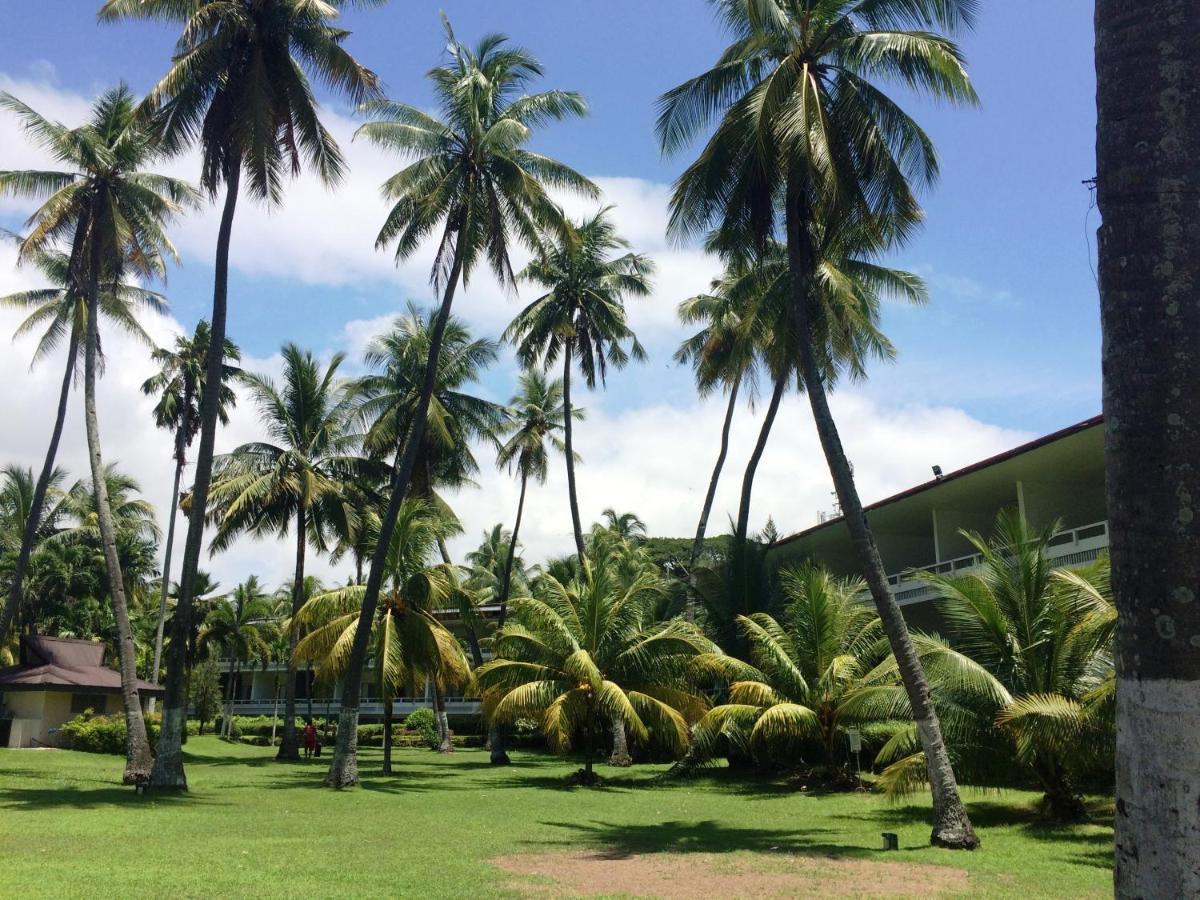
1075 547
401 706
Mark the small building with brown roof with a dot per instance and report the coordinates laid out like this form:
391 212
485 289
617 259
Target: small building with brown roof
56 680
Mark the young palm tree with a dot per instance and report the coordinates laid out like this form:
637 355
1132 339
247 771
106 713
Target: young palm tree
296 478
537 414
1149 249
113 215
409 644
239 625
581 315
473 178
805 127
1046 639
18 490
239 87
588 654
179 385
60 312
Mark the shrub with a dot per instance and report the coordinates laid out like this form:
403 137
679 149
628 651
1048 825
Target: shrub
422 722
90 733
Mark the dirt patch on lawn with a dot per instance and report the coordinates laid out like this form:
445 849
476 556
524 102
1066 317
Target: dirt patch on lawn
742 874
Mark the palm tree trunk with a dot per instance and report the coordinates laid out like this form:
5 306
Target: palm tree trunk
698 544
506 584
168 766
951 827
29 535
445 744
138 758
308 687
620 749
387 732
166 578
1148 149
228 700
743 521
289 744
572 496
343 769
274 710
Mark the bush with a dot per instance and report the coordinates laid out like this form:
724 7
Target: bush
89 733
422 722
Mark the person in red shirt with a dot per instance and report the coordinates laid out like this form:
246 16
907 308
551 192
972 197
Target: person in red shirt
310 739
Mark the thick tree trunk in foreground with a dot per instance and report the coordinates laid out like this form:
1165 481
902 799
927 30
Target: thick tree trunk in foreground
1148 180
138 759
445 735
168 766
166 577
343 769
951 827
743 521
698 543
620 748
289 744
572 495
34 520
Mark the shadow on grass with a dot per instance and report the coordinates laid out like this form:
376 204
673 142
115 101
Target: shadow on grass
621 840
75 797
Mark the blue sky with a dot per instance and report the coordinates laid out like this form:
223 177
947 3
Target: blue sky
1010 341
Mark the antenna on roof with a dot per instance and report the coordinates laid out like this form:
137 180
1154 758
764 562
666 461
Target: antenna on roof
937 472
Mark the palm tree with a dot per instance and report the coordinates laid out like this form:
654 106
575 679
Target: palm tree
723 355
295 478
537 413
17 492
472 176
409 644
588 653
61 310
239 87
179 385
805 127
285 599
240 626
582 314
1147 262
113 214
1046 639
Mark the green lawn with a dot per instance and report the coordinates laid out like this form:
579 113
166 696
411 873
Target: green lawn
252 827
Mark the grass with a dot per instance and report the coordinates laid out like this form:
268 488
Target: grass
251 826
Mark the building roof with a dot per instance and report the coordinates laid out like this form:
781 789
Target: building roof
952 476
65 664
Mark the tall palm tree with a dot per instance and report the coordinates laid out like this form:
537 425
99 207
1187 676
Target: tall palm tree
723 355
239 87
582 315
588 654
409 643
537 414
1147 142
472 177
295 479
239 625
806 130
17 492
60 312
113 214
179 386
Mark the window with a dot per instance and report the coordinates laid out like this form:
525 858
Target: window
81 703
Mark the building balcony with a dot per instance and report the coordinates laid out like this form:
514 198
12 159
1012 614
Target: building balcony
367 709
1075 547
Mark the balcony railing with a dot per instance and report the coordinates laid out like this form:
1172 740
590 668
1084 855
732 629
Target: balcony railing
401 706
1075 547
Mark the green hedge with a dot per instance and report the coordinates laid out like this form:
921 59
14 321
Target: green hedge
89 733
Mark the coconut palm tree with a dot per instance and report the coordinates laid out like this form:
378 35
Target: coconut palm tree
805 130
60 313
239 625
1148 256
587 654
294 479
239 87
472 177
113 214
1045 637
582 315
537 413
179 386
17 492
409 644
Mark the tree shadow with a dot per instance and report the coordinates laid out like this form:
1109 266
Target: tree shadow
621 840
76 797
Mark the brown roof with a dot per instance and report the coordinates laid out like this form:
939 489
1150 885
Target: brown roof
50 663
959 473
